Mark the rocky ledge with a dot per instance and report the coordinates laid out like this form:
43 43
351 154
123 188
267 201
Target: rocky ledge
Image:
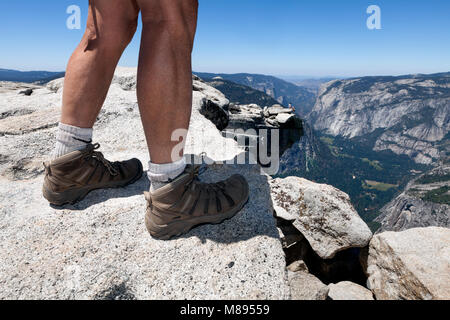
294 240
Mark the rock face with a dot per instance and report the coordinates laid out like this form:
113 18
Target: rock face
253 119
346 290
323 214
410 265
305 286
99 248
304 156
253 116
282 91
424 203
408 115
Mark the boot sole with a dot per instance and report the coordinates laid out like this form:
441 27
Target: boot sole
178 228
76 195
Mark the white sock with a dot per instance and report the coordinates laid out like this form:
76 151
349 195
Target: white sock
161 174
70 138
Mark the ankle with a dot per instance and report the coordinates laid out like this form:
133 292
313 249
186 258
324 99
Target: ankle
162 174
70 138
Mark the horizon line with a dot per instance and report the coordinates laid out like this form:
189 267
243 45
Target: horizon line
282 76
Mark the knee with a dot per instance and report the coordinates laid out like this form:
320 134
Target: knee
115 37
177 23
174 32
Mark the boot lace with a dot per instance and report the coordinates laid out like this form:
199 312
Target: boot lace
99 157
209 187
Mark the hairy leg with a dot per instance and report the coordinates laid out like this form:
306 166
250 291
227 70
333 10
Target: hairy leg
110 27
165 72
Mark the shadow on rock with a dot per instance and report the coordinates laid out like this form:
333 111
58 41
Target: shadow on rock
254 220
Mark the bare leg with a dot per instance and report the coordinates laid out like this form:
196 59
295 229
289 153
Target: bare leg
165 72
165 101
110 27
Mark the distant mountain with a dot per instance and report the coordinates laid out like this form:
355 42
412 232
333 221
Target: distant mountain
409 115
40 77
240 94
312 84
283 91
373 138
425 202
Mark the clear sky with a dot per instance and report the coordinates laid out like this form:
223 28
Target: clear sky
285 37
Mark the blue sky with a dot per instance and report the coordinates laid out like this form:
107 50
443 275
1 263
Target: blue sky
287 37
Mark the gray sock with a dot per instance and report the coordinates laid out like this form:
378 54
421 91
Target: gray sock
70 138
161 174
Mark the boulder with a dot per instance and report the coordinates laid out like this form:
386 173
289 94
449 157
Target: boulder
347 290
278 109
284 118
27 92
305 286
323 214
273 122
282 213
55 85
215 114
410 265
100 248
211 93
298 266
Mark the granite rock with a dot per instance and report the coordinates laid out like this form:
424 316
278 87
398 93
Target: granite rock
410 265
323 214
347 290
99 248
305 286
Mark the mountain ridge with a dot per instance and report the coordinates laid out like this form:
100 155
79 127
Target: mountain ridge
405 114
37 76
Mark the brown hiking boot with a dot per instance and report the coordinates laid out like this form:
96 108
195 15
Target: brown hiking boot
71 177
186 202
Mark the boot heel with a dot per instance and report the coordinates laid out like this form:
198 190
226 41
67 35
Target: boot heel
62 198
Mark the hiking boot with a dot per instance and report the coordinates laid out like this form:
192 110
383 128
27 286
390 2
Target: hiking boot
186 202
71 177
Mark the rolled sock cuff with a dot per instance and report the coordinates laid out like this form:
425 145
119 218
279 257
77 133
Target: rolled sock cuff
68 135
167 171
70 138
76 130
